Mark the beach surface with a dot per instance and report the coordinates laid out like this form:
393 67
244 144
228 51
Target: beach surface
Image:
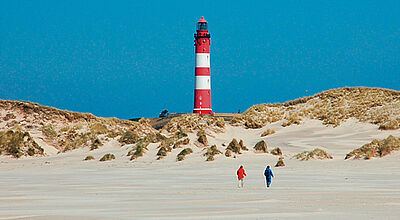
63 186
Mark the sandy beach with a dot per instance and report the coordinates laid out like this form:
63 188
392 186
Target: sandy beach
63 186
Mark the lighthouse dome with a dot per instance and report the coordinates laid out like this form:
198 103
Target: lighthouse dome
202 24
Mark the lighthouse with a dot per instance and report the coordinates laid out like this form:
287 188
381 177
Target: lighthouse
202 90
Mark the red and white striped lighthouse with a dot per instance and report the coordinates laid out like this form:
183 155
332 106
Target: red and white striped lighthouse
202 91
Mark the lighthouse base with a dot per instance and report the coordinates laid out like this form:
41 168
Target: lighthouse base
203 111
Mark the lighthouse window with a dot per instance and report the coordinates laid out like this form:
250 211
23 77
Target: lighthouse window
201 26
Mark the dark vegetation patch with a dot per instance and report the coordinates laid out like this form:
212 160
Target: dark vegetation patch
179 143
138 150
280 163
128 137
211 152
276 151
181 156
89 158
202 138
49 131
268 132
261 147
234 147
390 125
377 148
18 143
107 157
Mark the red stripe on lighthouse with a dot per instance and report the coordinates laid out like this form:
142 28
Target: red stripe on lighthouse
202 71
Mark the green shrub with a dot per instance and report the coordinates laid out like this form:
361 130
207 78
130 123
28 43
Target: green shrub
377 148
18 143
220 122
49 131
179 143
201 133
98 128
390 125
267 132
315 154
155 137
128 137
211 152
181 156
180 134
107 157
234 146
162 152
89 158
75 140
276 151
242 146
252 123
228 153
261 147
138 150
95 143
280 162
203 139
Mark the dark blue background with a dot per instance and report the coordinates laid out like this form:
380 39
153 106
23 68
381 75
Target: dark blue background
134 58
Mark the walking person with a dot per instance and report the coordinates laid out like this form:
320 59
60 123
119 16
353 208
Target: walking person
241 173
268 174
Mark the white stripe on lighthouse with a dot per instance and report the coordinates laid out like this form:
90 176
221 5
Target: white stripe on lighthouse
202 60
203 82
205 109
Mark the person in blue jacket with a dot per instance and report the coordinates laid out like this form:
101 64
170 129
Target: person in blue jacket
268 174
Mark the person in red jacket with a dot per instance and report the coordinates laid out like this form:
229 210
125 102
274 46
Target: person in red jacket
241 173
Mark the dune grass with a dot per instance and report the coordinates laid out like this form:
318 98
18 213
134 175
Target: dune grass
268 132
211 152
242 146
202 138
390 125
377 148
332 107
314 154
280 162
234 147
228 153
107 157
49 131
138 150
179 143
181 156
128 137
261 147
18 143
89 158
194 122
276 151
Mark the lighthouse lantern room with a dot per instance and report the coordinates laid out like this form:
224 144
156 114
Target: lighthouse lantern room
202 91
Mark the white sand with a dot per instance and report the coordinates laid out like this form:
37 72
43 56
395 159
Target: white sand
65 187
